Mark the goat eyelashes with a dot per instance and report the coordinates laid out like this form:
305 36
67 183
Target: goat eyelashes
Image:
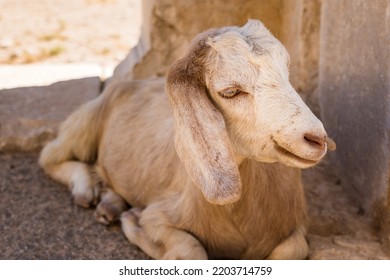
190 174
229 93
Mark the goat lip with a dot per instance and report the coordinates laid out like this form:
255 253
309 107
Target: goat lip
287 154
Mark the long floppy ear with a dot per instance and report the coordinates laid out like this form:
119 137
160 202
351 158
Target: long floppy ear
200 136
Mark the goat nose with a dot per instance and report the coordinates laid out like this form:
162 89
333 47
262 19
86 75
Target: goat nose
315 140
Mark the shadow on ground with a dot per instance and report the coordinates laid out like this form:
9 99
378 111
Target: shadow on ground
38 219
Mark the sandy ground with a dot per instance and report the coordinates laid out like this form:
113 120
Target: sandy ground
67 31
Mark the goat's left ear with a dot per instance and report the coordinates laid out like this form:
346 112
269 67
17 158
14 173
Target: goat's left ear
201 139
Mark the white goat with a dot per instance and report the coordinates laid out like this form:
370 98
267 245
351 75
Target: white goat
228 184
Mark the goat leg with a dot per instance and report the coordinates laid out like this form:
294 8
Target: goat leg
78 177
148 229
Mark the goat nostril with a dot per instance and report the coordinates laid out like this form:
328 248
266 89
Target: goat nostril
315 140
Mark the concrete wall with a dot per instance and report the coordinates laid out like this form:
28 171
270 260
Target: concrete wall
301 28
354 90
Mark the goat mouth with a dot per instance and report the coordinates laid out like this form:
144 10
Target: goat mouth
291 156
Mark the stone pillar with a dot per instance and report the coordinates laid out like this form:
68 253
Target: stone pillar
301 28
354 91
125 69
170 25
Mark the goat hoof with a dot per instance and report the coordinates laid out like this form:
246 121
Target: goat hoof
85 196
107 213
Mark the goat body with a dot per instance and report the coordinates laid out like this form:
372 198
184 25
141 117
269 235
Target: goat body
227 185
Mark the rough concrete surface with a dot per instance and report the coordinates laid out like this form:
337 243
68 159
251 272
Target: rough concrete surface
38 219
30 116
39 74
354 95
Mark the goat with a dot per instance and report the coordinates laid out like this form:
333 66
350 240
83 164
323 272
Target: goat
212 169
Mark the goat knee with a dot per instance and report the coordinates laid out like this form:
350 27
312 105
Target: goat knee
145 229
190 249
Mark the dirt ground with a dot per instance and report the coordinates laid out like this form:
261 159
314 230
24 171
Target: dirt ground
338 229
38 220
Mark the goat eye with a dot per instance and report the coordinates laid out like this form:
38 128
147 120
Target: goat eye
229 93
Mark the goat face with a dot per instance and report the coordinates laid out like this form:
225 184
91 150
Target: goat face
247 77
232 99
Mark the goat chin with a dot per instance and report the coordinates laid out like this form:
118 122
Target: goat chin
172 156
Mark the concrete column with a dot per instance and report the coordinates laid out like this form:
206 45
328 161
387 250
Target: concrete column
354 91
301 28
170 25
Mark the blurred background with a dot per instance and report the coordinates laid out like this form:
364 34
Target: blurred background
93 35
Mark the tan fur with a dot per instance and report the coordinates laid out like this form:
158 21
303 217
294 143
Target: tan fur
208 176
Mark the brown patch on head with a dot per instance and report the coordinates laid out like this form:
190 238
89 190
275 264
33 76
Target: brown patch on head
201 139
